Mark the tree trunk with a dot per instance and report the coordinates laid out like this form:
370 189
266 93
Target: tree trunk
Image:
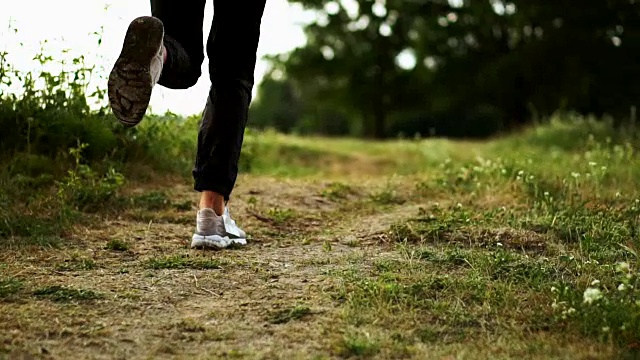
379 104
374 120
379 122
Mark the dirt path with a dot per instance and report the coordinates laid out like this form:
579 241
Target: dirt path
155 298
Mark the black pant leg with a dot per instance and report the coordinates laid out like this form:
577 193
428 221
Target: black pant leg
183 40
231 48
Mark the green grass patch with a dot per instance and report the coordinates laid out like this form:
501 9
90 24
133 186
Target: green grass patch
153 200
183 262
358 345
280 216
527 242
65 294
10 287
117 245
338 191
77 264
297 312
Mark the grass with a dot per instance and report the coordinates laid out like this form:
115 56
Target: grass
64 294
117 245
524 246
9 287
77 264
183 262
297 312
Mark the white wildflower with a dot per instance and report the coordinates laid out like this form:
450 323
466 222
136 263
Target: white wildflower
605 329
592 294
621 287
568 311
623 267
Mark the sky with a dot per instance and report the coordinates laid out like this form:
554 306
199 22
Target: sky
69 24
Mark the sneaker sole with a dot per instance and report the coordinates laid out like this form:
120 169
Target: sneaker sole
129 85
214 241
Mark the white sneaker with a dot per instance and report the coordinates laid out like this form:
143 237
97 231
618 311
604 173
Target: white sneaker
137 70
214 231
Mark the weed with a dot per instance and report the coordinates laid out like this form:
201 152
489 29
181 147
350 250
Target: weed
607 309
154 200
77 263
280 216
337 191
87 191
32 229
64 294
358 344
9 287
117 245
386 196
183 262
297 312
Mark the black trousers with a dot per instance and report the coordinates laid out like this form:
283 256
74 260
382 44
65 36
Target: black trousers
231 48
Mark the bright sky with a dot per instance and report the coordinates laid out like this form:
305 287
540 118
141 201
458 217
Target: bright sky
67 24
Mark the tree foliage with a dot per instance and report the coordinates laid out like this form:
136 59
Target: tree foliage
455 67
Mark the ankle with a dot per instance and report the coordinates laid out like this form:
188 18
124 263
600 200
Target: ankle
212 200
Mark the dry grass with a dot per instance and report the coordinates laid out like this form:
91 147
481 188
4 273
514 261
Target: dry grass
364 265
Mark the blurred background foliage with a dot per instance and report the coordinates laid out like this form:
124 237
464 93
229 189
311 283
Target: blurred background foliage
454 68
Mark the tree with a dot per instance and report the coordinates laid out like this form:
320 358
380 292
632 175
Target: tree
464 67
350 58
278 105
